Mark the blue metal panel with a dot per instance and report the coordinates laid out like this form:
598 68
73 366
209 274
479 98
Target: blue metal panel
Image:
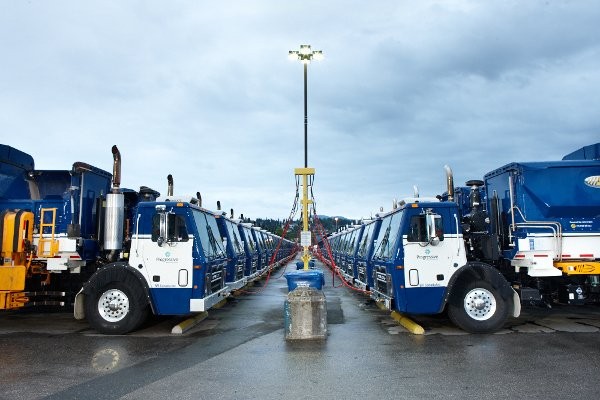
591 152
422 300
172 301
14 165
91 183
550 191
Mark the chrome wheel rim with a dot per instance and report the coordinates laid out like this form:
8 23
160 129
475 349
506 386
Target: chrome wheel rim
113 305
480 304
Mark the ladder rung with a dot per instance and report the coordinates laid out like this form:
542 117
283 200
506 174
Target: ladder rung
50 242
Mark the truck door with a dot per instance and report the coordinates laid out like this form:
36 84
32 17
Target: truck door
168 262
433 250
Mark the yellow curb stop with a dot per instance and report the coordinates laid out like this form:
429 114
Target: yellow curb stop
408 323
189 323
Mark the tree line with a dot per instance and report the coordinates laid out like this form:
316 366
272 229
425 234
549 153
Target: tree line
276 226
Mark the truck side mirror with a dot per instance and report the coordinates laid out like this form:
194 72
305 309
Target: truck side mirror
163 225
434 229
166 228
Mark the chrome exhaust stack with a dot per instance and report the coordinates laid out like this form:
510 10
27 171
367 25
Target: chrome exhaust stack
170 185
449 182
116 179
115 211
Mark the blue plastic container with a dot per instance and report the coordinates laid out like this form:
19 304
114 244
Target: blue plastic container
310 278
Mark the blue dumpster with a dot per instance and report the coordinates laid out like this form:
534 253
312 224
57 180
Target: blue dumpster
311 278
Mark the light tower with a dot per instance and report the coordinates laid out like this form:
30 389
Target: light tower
305 55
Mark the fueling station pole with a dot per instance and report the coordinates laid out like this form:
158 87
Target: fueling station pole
305 55
305 310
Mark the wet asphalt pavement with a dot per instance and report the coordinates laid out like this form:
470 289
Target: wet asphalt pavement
239 352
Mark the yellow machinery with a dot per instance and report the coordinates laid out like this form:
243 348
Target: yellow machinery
16 236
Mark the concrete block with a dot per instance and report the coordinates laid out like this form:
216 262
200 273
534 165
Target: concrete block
305 314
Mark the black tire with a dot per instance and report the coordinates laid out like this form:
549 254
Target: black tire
477 307
116 309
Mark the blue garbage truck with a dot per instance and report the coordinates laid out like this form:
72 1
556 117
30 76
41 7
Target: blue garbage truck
76 238
528 233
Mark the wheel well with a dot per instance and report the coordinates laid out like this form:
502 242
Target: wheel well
479 271
115 272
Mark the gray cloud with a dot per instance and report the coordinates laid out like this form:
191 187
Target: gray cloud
204 91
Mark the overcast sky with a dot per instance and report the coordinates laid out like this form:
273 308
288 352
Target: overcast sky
204 90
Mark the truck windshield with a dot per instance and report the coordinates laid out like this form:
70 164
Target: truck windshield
249 239
209 235
259 241
364 243
235 237
351 242
387 236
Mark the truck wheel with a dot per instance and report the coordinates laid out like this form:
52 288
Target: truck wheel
478 307
116 309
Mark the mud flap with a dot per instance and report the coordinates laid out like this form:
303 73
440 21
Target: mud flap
516 311
79 306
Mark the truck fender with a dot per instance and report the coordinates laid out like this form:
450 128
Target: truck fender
475 270
114 272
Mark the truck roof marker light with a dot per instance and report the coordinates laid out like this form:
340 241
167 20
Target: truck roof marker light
414 205
179 204
593 181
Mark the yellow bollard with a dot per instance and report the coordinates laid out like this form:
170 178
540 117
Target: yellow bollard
408 323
